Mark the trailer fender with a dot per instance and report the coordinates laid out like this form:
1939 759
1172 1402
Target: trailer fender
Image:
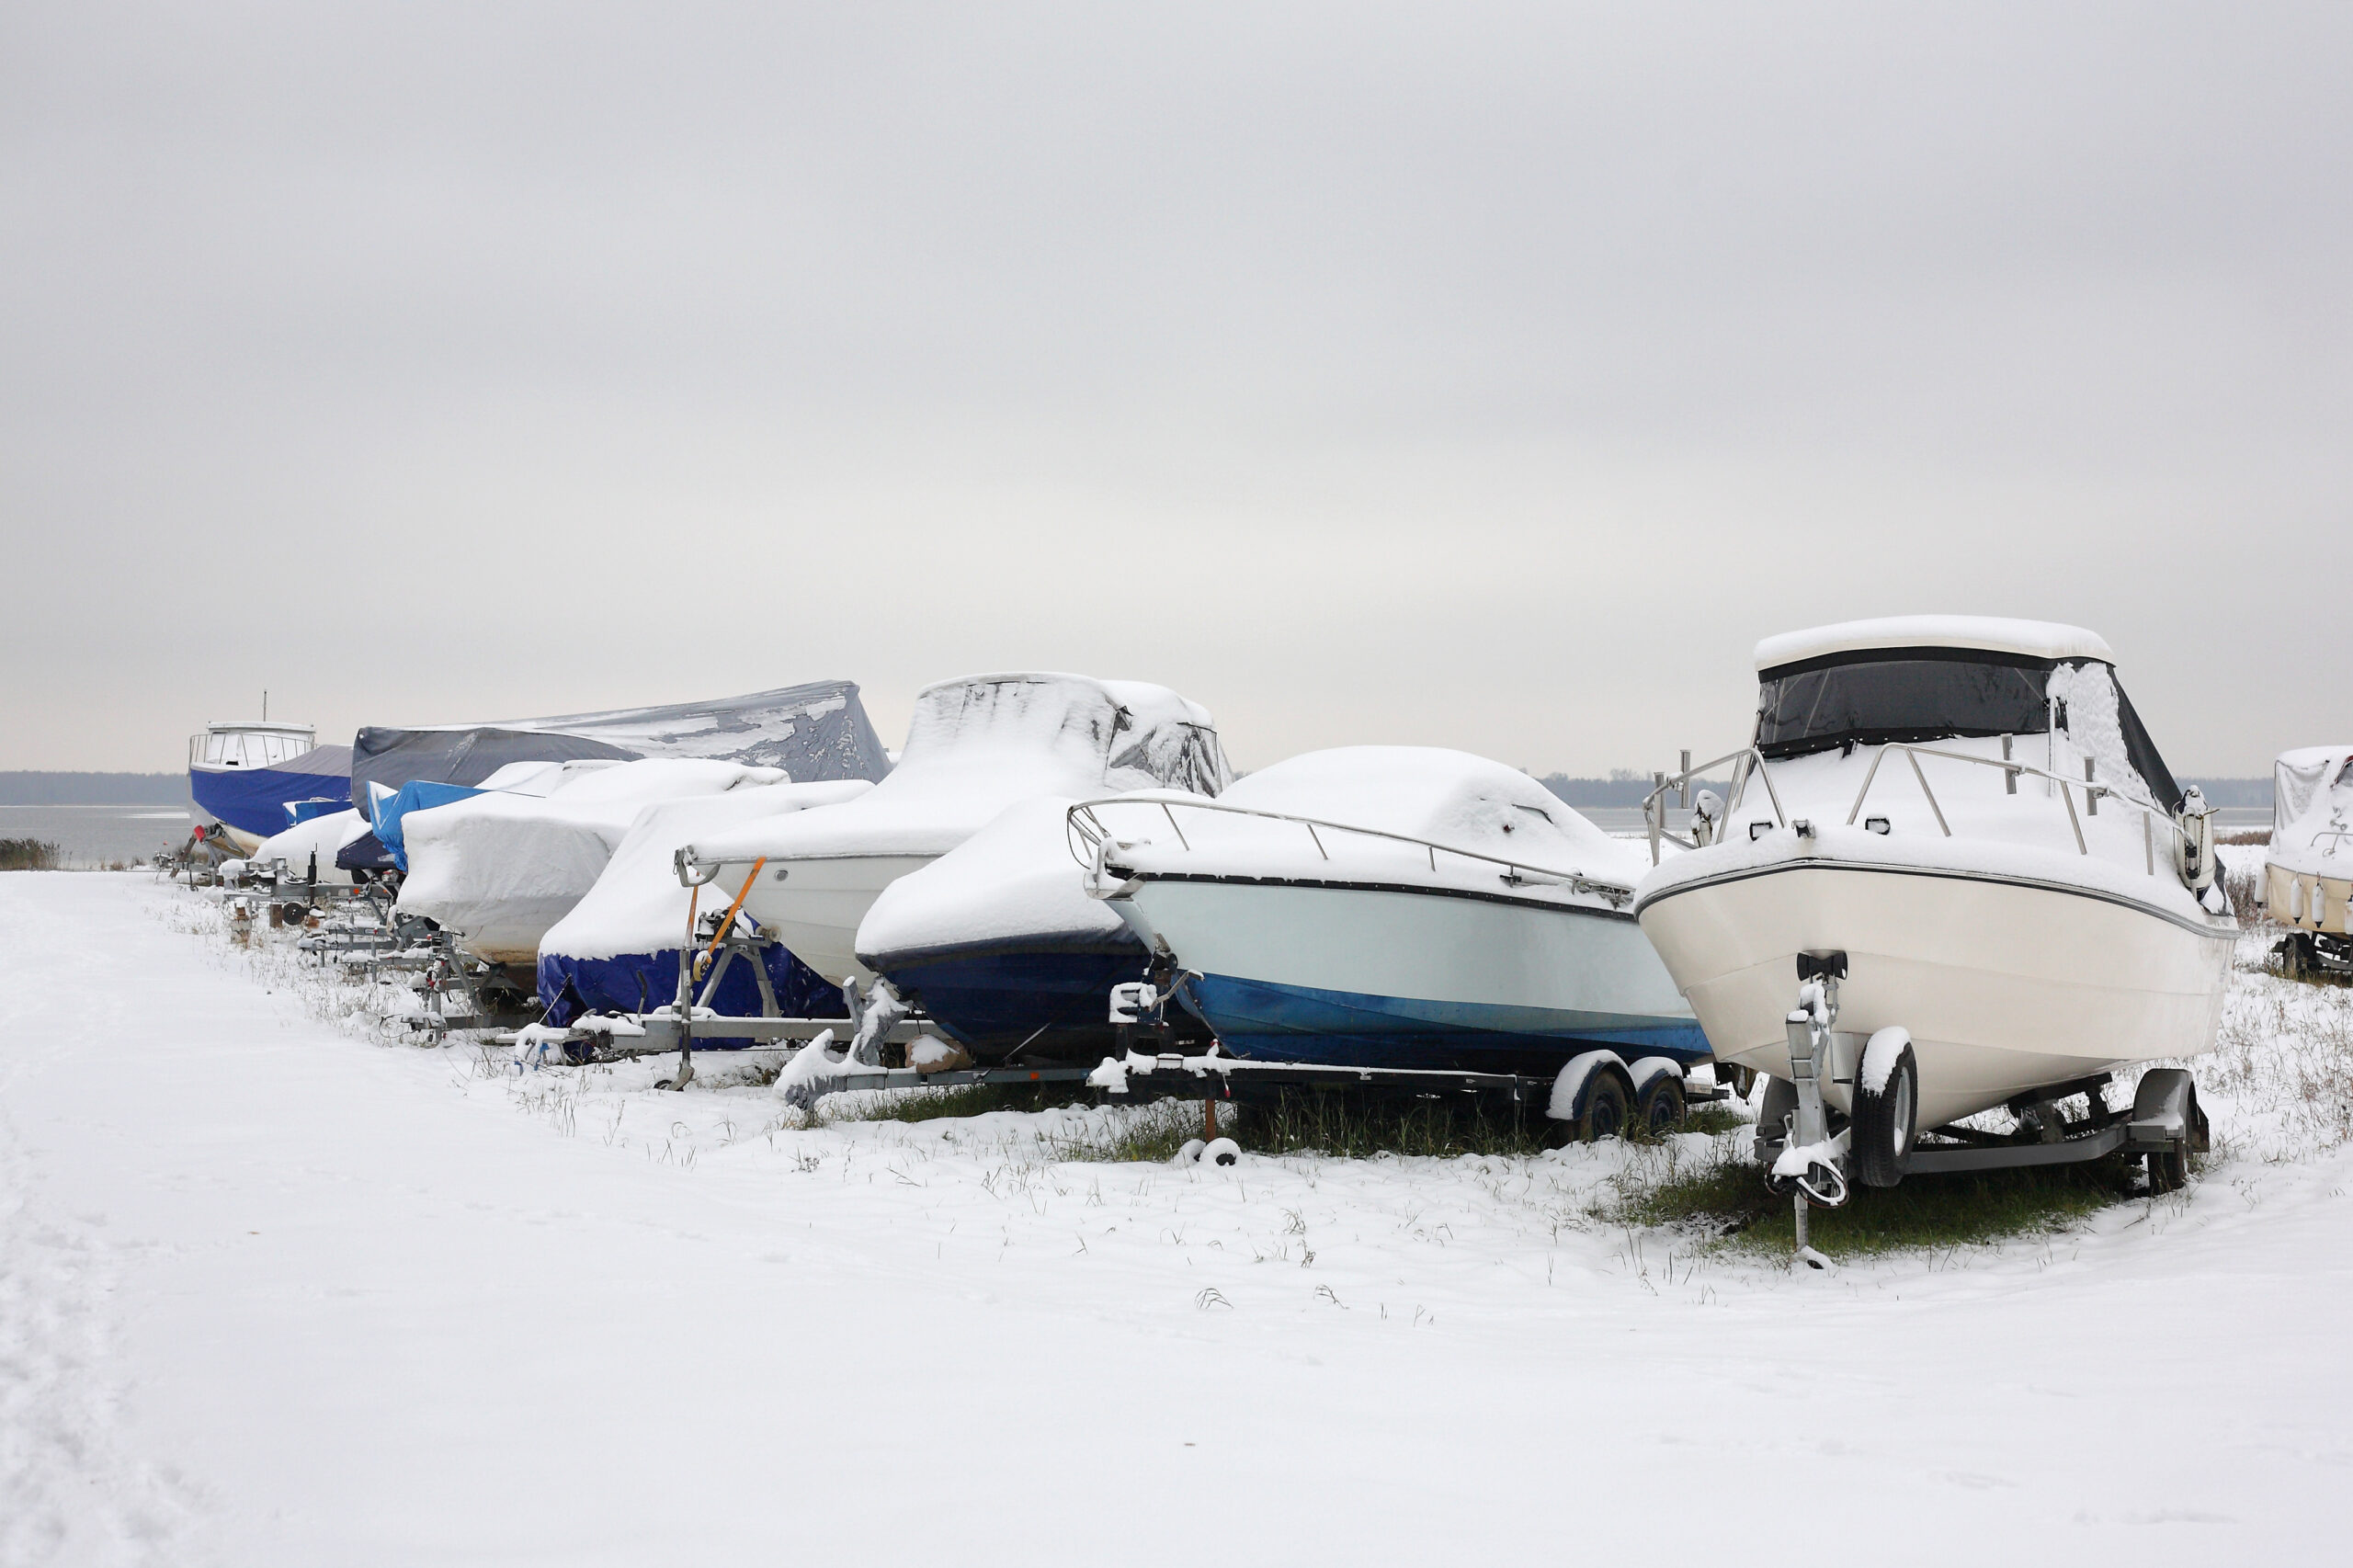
1575 1082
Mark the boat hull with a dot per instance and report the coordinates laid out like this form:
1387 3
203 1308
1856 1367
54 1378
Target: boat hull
813 906
1049 1003
251 801
1408 978
2005 984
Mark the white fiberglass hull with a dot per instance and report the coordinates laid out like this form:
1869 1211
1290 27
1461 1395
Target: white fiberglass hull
814 906
1398 977
2005 984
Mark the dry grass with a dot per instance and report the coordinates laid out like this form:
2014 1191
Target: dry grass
29 855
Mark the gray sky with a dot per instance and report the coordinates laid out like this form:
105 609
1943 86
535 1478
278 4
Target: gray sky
1491 377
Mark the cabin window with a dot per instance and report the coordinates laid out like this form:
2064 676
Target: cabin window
1904 696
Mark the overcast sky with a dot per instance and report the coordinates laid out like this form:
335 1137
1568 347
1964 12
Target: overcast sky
1491 377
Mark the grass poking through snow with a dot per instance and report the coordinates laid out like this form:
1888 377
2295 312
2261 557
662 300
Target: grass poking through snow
1721 1195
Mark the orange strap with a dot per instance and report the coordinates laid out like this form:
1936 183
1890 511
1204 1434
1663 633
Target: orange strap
728 923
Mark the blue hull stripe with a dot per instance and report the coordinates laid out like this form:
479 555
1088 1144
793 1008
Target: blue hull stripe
1287 1023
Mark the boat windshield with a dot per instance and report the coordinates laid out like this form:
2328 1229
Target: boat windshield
1873 697
1910 697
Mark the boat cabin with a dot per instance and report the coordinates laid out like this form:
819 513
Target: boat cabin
235 744
1920 678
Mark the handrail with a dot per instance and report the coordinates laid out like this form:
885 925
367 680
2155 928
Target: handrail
1081 822
1654 811
1750 760
2093 790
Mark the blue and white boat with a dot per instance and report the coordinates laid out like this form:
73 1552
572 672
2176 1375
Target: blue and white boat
1392 907
999 944
256 779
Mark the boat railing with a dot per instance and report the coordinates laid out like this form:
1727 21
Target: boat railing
1084 826
1750 762
2152 814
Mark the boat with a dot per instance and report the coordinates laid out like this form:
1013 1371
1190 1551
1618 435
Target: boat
1000 946
616 949
1953 874
2308 870
814 732
252 780
1397 907
975 746
499 866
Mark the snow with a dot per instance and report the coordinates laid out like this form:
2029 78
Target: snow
322 835
276 1293
1423 795
978 744
1880 1053
500 867
2033 639
1014 878
637 905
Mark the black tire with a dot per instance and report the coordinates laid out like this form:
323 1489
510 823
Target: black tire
1885 1123
1660 1109
2169 1169
1605 1112
1778 1108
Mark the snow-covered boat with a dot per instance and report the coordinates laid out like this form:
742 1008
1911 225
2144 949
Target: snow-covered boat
256 779
1393 907
1953 838
499 866
975 746
2308 870
999 942
815 732
309 848
617 950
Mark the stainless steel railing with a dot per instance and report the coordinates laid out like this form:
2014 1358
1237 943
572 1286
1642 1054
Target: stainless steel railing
1082 825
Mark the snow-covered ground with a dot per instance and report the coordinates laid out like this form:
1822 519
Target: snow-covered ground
273 1291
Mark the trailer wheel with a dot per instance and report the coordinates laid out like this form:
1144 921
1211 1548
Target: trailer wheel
2169 1166
1660 1110
1604 1111
1886 1118
2169 1169
1781 1102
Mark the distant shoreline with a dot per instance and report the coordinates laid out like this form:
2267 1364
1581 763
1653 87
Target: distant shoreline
27 788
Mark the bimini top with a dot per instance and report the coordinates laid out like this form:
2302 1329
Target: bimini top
2040 639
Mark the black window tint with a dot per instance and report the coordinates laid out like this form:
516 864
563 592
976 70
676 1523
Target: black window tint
1870 701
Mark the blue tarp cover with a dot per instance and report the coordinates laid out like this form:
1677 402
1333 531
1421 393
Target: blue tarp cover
252 800
416 796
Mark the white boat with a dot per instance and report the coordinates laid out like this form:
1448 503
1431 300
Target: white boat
974 748
500 865
2308 870
1954 833
1395 907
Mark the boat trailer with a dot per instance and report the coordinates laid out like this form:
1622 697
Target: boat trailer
1810 1151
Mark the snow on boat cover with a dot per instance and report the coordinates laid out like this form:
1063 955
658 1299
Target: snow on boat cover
813 733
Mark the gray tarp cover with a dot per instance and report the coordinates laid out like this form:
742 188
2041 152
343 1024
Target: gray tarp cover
815 732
